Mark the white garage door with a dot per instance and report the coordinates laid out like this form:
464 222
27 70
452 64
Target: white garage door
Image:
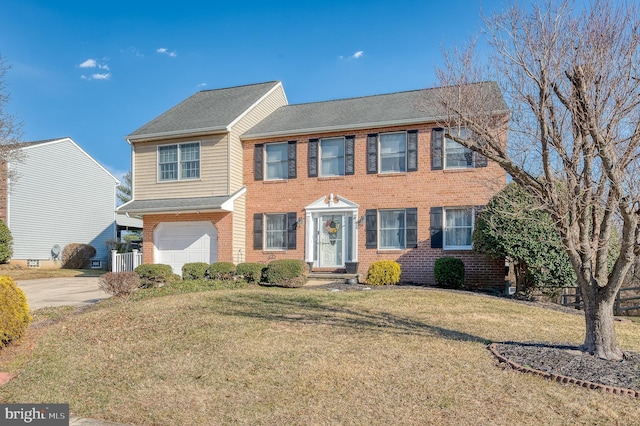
177 243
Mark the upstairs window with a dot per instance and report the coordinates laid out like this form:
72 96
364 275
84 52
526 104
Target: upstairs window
448 154
332 157
275 161
392 152
179 161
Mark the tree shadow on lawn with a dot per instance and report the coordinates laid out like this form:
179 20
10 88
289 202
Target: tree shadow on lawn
310 310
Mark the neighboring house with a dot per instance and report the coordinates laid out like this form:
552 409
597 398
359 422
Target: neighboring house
339 184
60 195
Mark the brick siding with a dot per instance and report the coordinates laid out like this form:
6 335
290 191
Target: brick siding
421 189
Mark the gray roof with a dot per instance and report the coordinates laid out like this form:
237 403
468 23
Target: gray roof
181 205
399 108
205 111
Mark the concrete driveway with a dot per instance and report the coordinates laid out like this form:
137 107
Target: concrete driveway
61 291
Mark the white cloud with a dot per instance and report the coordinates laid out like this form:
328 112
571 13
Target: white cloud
92 63
96 76
165 51
359 54
89 63
201 85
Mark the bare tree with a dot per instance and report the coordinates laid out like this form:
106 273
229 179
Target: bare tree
10 136
570 75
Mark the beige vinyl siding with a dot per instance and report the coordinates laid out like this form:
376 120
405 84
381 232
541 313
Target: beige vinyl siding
273 101
239 229
213 170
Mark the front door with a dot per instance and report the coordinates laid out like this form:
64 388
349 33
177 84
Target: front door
331 241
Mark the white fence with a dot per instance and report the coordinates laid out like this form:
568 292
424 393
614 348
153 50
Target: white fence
125 262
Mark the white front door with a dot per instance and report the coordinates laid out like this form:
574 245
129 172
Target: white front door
331 241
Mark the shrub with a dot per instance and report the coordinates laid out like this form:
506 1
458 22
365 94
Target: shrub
119 284
77 255
6 243
251 272
195 271
14 312
286 273
222 270
449 272
155 275
384 272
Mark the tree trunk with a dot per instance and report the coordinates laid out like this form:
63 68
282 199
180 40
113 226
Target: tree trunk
600 339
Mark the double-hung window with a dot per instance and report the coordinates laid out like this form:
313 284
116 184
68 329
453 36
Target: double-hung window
391 229
393 152
449 154
179 161
332 157
458 228
456 155
275 231
276 161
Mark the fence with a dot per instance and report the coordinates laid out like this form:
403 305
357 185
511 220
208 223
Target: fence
621 304
125 262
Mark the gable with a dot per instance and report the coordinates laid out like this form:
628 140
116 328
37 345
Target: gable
208 111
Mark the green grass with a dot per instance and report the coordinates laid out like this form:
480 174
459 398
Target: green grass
299 356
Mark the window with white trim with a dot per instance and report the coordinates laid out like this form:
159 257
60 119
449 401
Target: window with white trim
275 234
276 161
391 229
457 156
458 228
179 161
393 152
332 157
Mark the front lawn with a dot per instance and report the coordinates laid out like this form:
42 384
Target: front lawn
299 356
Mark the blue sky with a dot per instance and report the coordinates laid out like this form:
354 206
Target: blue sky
96 71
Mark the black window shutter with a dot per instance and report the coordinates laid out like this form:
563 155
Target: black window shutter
349 151
257 231
437 136
436 227
372 228
292 154
411 224
412 150
292 226
258 153
372 153
312 156
479 160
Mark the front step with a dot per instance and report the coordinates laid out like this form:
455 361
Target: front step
331 276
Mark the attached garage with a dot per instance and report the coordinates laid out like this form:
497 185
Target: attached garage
177 243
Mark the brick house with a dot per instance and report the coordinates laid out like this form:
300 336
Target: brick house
347 182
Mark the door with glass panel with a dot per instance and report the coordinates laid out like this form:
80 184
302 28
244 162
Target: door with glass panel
331 241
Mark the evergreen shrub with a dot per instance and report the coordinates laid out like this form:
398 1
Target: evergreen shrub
384 272
195 271
14 311
289 273
449 272
250 272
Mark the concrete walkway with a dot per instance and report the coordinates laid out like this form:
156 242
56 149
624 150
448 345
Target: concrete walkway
68 291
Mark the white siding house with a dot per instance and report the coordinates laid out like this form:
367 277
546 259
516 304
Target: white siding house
60 195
